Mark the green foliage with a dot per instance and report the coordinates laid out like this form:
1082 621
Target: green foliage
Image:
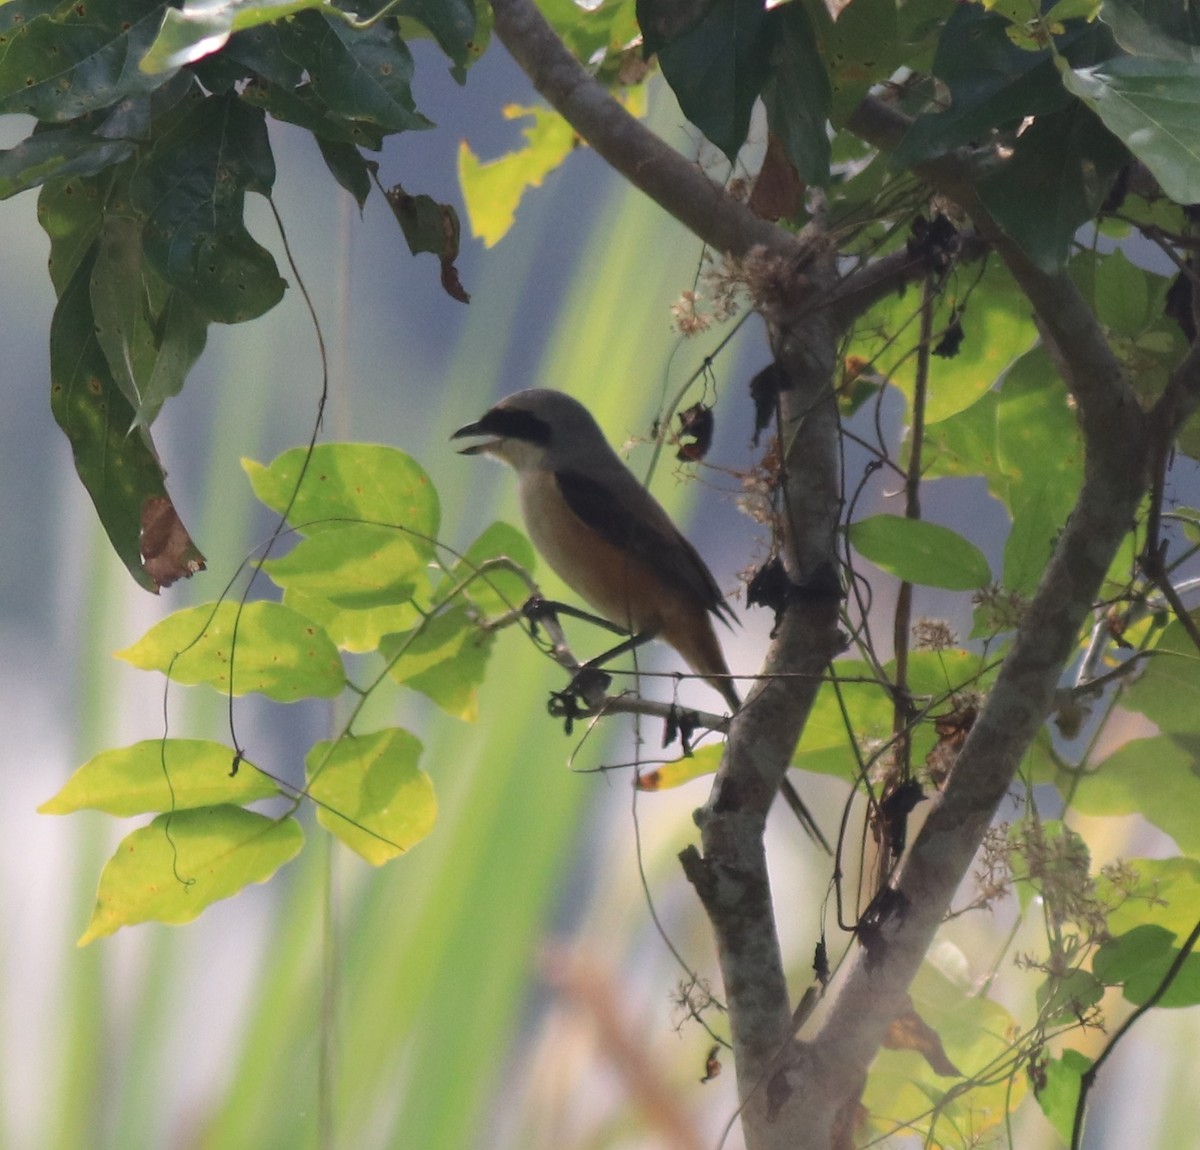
946 1074
920 552
171 870
160 775
366 519
151 130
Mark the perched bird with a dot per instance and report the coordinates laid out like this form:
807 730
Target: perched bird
604 534
608 538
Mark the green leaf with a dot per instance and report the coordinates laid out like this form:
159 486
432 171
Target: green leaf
345 483
497 590
965 444
591 31
194 31
371 794
263 51
868 40
122 291
119 467
1166 31
55 154
1153 777
993 82
1166 893
192 187
1068 996
1153 108
360 74
1035 528
972 1031
1168 690
1055 181
796 93
1060 1096
174 868
81 59
356 628
1139 962
279 653
717 68
453 25
492 189
151 334
181 330
997 328
1038 442
353 566
304 108
347 166
824 745
920 552
70 212
445 658
160 775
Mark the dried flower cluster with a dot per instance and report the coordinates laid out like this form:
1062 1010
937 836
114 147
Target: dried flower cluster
933 635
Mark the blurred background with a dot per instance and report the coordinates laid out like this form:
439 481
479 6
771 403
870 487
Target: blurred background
504 985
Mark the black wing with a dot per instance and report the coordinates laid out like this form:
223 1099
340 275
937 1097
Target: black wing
629 517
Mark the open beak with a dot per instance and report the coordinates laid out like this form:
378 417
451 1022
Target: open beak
470 429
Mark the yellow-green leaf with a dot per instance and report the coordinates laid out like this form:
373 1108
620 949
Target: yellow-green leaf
174 868
279 653
492 189
353 628
350 483
496 590
703 761
371 793
444 659
354 565
160 775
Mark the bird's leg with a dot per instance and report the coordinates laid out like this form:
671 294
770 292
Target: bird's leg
590 673
536 608
588 684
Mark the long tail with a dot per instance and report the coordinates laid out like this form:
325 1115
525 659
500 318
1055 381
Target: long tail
790 795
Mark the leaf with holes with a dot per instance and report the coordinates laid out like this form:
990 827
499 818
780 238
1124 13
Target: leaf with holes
191 187
119 467
81 59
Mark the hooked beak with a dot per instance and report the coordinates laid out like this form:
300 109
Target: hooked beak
470 429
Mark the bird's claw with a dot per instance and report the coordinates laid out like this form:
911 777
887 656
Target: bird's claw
580 696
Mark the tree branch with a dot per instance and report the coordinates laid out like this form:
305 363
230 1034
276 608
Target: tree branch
1072 333
671 181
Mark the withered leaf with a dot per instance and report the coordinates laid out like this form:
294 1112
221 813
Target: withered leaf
764 391
908 1031
430 226
695 433
167 550
778 191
